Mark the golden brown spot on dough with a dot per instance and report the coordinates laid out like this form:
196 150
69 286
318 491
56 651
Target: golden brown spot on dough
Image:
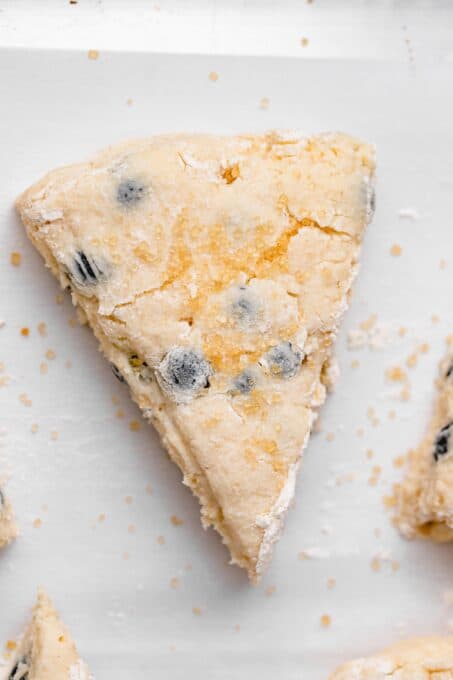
25 332
144 253
396 374
231 173
15 259
176 521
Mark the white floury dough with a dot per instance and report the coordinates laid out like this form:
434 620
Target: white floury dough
214 272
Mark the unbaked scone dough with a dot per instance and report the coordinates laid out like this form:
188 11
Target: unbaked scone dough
425 498
428 658
214 272
46 650
8 528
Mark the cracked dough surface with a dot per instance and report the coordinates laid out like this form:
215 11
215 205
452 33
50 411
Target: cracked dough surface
8 529
429 658
214 272
425 498
46 650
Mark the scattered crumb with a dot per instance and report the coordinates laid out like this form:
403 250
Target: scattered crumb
68 363
149 489
129 102
399 461
411 361
360 431
304 42
34 428
37 523
43 368
325 620
115 399
331 583
125 555
161 540
25 400
42 329
402 331
396 250
93 54
377 532
54 435
389 501
25 332
72 322
134 425
330 436
369 323
131 529
197 611
15 259
396 374
59 298
175 582
424 348
391 414
120 413
369 454
50 354
355 363
11 644
435 318
442 263
405 394
270 590
213 76
176 521
395 565
264 103
237 627
101 517
128 499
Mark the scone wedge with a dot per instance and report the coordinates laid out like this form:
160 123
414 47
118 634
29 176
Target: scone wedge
214 272
8 528
425 497
46 650
429 658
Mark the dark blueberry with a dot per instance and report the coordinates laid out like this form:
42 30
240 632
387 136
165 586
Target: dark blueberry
20 670
85 270
186 369
283 360
130 192
117 373
449 371
244 307
442 440
244 383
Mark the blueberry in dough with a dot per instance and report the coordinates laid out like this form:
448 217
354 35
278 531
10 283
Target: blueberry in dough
130 192
283 360
85 270
442 441
244 307
185 369
244 383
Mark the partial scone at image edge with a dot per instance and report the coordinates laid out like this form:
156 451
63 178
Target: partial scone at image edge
214 272
424 499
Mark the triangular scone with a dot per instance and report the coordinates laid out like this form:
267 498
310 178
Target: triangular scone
428 658
8 528
46 650
425 498
214 272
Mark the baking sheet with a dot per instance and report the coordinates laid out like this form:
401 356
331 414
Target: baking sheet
145 597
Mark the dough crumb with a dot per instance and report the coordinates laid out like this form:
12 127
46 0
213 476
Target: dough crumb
396 250
15 259
325 620
93 54
25 332
213 76
176 521
42 329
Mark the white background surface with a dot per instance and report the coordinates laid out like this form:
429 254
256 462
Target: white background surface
58 107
